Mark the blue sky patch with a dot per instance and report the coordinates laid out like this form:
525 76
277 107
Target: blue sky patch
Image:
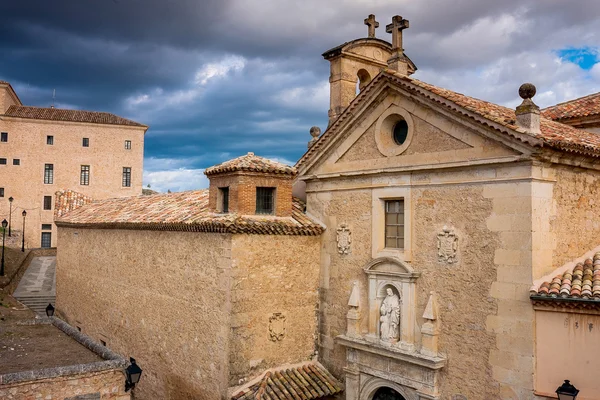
585 57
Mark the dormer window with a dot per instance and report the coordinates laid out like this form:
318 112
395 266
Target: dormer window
265 200
223 200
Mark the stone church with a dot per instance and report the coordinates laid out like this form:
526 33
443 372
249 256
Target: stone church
428 245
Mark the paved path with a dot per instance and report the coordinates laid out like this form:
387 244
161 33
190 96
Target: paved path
37 287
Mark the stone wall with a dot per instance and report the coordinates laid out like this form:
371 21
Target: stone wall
272 275
486 316
107 385
160 297
106 156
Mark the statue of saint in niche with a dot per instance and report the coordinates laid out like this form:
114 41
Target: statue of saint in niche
390 316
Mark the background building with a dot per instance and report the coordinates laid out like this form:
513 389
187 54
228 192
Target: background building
44 150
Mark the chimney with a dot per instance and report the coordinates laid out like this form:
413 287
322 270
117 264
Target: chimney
528 113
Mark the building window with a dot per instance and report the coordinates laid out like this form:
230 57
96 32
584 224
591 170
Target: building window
1 192
126 176
223 199
84 177
16 161
394 224
128 145
265 197
47 202
86 142
49 174
46 227
2 161
50 139
46 240
3 136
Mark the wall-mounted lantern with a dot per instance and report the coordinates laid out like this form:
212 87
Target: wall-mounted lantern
133 373
50 310
567 391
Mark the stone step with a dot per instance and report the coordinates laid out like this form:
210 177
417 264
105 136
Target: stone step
37 304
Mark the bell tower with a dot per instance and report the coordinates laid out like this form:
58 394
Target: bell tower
354 64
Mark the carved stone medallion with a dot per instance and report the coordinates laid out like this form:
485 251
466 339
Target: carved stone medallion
447 245
276 327
344 239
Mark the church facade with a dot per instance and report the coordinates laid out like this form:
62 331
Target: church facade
430 237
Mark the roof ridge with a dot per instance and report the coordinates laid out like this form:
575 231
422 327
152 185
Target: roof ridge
572 100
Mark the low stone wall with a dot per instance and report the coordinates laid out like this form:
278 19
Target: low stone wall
97 380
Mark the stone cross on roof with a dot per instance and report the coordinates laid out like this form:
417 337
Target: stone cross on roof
372 24
395 28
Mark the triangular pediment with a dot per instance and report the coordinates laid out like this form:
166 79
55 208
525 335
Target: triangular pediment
437 137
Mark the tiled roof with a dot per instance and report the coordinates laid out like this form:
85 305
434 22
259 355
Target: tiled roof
582 107
553 134
252 163
68 200
185 211
581 282
306 382
59 114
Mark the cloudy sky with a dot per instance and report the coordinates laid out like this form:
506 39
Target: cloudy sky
215 79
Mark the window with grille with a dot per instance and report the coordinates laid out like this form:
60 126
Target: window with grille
46 227
47 202
16 161
394 224
2 161
49 174
128 145
3 136
50 139
84 177
46 240
126 176
224 199
265 200
86 142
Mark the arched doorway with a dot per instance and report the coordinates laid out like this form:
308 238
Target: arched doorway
387 393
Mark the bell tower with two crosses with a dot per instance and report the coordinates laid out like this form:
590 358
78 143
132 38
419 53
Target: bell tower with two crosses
354 64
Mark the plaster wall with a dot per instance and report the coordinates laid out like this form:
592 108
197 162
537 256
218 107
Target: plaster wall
486 317
574 352
272 274
107 385
106 156
161 297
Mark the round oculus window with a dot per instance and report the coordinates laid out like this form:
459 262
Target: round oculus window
400 132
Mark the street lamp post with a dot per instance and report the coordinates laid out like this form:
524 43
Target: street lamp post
23 245
4 224
10 200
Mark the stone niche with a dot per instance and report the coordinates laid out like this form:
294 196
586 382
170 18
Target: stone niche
386 356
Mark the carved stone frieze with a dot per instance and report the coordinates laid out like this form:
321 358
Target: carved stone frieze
447 245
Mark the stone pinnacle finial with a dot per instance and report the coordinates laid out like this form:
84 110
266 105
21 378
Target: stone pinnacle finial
315 132
527 91
395 28
528 113
372 24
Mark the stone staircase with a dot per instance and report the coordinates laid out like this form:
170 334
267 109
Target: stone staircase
37 303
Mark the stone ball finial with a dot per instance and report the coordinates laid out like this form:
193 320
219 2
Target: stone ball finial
527 91
315 132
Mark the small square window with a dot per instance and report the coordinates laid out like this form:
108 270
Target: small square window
394 224
86 142
128 145
47 202
50 139
103 342
265 200
2 161
1 192
3 136
46 227
16 161
223 200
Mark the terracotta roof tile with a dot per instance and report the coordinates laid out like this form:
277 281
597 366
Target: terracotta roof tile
305 382
69 200
185 211
253 163
580 282
586 106
553 134
59 114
